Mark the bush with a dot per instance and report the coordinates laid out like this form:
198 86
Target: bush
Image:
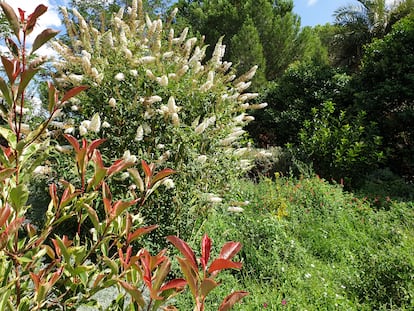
156 96
339 147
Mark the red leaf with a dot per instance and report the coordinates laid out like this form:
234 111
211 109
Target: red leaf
14 226
230 249
160 175
73 92
21 13
176 283
205 251
121 206
53 195
73 141
12 68
221 264
118 166
36 280
4 214
32 19
95 144
140 231
185 249
146 168
231 299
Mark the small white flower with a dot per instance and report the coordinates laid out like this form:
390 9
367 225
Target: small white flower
140 134
106 125
241 151
235 209
95 125
147 59
120 76
200 128
128 157
133 72
69 130
308 275
214 199
160 146
153 99
42 170
175 119
74 108
86 124
112 102
150 74
83 130
163 81
258 106
172 107
168 183
64 148
202 158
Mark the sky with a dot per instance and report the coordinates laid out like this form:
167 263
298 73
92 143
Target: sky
314 12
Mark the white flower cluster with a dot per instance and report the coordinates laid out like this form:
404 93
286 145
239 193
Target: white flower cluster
93 125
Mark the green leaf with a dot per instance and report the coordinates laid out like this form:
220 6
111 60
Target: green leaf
134 292
26 77
12 18
4 299
6 173
189 275
19 196
5 91
43 37
207 285
52 97
93 216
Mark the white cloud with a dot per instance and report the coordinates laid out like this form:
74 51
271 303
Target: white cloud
312 2
50 19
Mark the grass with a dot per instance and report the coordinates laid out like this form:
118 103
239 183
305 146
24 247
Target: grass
309 245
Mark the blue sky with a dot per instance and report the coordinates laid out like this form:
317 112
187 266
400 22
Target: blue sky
313 12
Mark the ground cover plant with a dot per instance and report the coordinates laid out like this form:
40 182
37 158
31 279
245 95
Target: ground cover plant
43 270
311 245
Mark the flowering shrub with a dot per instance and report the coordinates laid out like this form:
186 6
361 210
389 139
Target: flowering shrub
42 270
160 99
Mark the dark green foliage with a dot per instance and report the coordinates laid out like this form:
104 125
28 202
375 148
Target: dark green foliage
385 89
277 26
303 86
246 43
339 146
